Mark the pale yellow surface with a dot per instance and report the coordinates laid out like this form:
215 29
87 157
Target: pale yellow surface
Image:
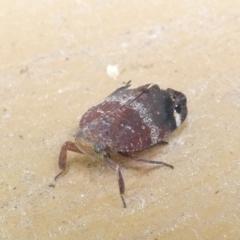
53 61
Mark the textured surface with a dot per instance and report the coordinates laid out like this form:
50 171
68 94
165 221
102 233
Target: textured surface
59 58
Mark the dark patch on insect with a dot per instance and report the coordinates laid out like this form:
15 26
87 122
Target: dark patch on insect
127 121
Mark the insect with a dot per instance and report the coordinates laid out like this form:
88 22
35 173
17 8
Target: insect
127 121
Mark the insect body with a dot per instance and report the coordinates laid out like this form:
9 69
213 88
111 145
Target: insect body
127 121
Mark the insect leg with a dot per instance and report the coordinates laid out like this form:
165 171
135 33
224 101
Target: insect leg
62 160
116 168
145 160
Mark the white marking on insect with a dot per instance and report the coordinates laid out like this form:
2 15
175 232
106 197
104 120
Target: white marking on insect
154 134
177 117
122 99
146 117
128 127
150 85
140 141
100 111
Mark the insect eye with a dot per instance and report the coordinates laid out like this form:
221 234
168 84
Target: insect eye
178 108
99 147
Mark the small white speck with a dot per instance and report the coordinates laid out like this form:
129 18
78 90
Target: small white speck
100 111
124 45
112 71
